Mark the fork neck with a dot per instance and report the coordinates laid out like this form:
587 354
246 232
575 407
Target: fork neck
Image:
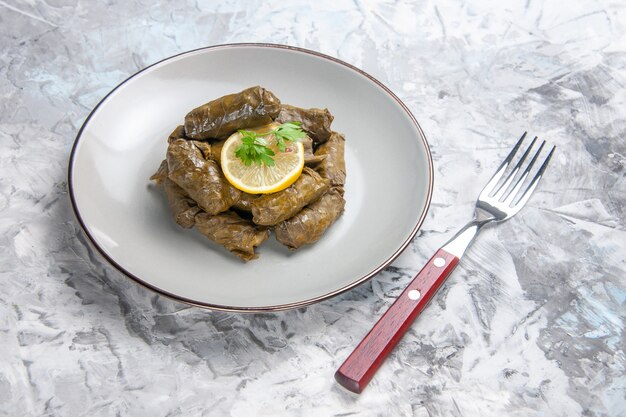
461 241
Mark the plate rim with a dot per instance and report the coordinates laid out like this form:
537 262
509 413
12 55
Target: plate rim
258 309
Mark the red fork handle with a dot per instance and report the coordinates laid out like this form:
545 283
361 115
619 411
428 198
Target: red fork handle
364 361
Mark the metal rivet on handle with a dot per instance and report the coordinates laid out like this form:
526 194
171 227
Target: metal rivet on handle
439 262
414 294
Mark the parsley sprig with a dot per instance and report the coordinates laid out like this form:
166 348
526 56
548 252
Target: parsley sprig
254 149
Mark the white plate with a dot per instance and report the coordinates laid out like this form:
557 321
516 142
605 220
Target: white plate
388 189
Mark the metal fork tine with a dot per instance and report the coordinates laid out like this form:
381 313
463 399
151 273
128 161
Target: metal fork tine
533 184
503 166
501 193
511 196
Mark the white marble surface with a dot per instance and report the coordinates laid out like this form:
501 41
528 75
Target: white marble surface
531 323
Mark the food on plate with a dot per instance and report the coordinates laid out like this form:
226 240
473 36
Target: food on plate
245 164
311 222
333 166
183 207
161 173
244 204
177 133
271 209
316 122
233 232
201 178
281 164
310 159
219 118
216 151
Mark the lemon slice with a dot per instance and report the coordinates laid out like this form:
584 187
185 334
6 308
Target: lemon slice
260 178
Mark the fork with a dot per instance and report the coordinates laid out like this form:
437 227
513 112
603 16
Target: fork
498 201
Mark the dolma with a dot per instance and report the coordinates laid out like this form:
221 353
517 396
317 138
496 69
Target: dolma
309 225
161 173
183 208
333 167
178 133
216 151
211 150
315 121
236 234
198 193
307 144
207 149
202 179
245 202
310 159
219 118
271 209
314 160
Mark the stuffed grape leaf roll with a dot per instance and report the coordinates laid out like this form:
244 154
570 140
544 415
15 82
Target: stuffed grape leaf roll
178 133
219 118
310 159
236 234
183 208
245 202
202 179
333 167
161 173
215 152
309 225
209 150
271 209
315 121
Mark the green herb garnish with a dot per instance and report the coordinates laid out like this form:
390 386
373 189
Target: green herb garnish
290 131
253 148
